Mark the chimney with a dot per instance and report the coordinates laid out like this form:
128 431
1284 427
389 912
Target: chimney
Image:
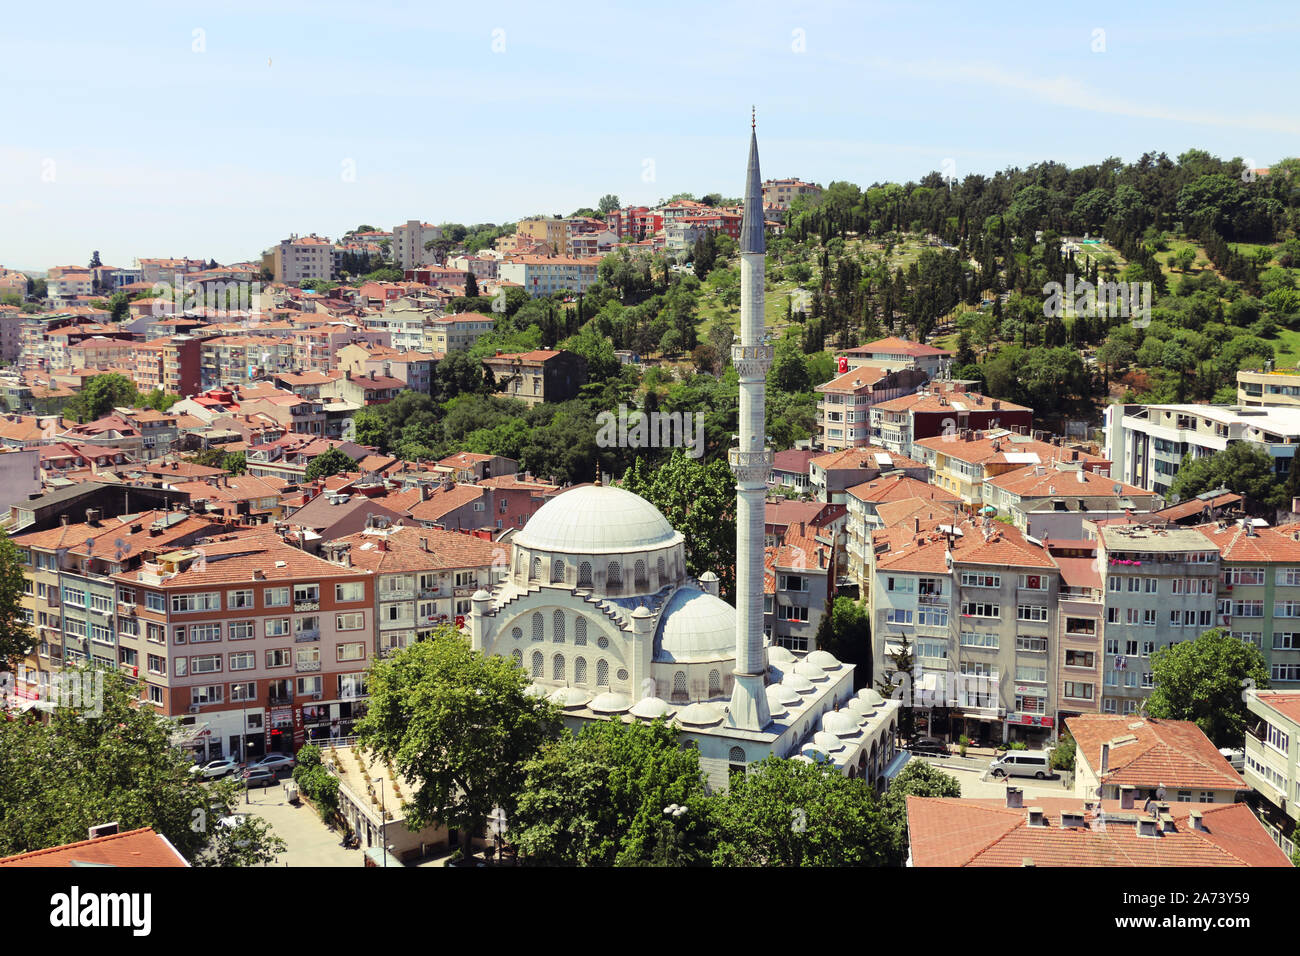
1105 760
1036 817
1072 819
1148 827
382 545
1127 796
1198 821
103 830
92 517
1027 861
259 574
63 520
1015 798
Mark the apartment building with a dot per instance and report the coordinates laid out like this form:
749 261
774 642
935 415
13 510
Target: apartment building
798 584
553 232
1161 587
1147 442
1144 756
1276 388
303 257
546 275
1080 615
543 375
975 603
1055 499
830 476
408 243
1273 760
453 333
423 577
241 359
844 403
884 502
779 193
894 354
961 463
70 598
263 645
1259 592
935 411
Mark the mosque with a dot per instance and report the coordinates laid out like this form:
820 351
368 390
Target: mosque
598 608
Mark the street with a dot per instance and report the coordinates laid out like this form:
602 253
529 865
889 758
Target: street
970 772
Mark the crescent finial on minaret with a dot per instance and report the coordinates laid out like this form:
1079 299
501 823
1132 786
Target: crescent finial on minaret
753 118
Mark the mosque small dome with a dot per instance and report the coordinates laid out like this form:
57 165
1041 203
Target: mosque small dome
823 659
776 654
570 697
649 708
810 670
611 702
701 714
797 683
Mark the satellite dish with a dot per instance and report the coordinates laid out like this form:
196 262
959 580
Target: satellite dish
1175 498
1116 489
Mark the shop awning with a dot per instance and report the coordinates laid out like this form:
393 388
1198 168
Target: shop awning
896 765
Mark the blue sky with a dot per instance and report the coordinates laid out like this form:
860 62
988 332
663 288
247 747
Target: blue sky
120 136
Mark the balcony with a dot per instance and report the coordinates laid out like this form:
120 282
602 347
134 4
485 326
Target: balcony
932 600
280 700
306 667
429 593
401 594
311 634
306 605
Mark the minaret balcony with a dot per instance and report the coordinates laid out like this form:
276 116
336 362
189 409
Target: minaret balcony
750 465
752 360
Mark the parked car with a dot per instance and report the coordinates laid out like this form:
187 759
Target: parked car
1022 763
1235 756
258 777
214 769
928 745
272 762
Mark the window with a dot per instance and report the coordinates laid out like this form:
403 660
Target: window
1112 615
790 612
349 592
309 686
614 576
355 621
972 639
1246 576
240 599
1175 619
100 634
895 615
244 691
1277 739
898 585
932 649
155 601
202 601
793 582
1249 608
932 617
208 664
280 657
1285 641
602 673
243 661
557 627
977 579
1288 577
306 594
1286 609
1078 691
537 665
584 574
1080 659
1033 582
157 665
351 652
200 696
242 630
980 609
1037 645
1148 679
276 597
204 633
1031 612
1031 674
277 627
1112 645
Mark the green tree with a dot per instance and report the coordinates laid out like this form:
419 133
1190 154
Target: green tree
110 761
792 813
332 462
251 842
1064 752
471 285
15 633
1242 468
699 500
457 724
917 779
100 395
1204 681
608 203
598 799
235 462
845 631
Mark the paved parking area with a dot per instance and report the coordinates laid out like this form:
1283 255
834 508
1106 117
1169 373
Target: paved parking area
310 842
971 775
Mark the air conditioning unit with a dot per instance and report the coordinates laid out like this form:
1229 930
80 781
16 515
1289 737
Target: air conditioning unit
315 696
194 708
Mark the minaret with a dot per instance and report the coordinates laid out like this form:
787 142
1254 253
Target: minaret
751 462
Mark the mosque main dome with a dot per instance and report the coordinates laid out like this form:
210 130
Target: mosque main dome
596 519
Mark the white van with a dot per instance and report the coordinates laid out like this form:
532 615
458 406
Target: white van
1022 763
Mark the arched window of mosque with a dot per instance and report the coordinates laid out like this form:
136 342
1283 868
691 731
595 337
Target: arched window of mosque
537 665
679 686
557 667
715 683
614 576
517 633
537 569
735 761
580 671
557 627
584 574
557 571
537 627
580 630
659 566
517 656
639 575
602 642
621 676
602 673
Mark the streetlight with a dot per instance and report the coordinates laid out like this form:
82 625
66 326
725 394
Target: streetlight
383 819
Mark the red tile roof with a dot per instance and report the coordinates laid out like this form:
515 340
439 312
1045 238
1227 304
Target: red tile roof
1175 753
141 847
